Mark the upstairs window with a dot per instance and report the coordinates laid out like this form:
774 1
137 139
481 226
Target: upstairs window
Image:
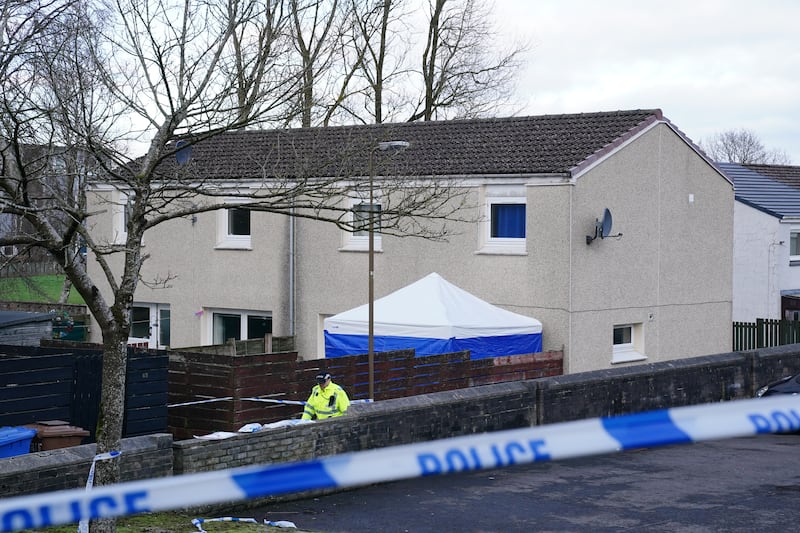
505 222
120 217
794 248
361 213
233 229
508 221
238 222
358 239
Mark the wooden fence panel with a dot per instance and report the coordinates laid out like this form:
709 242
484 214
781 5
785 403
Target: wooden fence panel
64 384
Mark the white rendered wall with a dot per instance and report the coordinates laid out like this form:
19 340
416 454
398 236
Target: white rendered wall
760 255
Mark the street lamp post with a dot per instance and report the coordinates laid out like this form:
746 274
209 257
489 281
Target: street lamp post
383 147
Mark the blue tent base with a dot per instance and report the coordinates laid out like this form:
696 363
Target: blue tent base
479 347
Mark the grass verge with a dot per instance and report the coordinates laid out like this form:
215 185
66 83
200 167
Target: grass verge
38 289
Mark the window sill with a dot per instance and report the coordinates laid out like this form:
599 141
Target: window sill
497 250
794 262
626 356
503 247
233 246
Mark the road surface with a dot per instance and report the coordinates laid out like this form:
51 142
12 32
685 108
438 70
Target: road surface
735 485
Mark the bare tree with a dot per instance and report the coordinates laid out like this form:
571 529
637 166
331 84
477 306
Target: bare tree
80 81
461 75
326 62
382 39
742 146
260 52
354 58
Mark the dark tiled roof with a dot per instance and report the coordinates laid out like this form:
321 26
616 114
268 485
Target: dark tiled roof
762 191
516 145
786 174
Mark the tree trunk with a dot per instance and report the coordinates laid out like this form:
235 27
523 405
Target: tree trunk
112 414
65 290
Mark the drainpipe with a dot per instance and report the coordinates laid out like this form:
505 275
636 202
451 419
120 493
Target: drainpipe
291 272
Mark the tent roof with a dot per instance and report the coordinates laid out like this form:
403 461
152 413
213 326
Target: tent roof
434 308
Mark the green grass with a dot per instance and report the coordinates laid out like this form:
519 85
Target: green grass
38 289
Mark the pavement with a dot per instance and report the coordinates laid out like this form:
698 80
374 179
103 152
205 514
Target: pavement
735 485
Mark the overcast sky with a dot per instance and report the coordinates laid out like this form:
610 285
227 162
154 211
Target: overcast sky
709 65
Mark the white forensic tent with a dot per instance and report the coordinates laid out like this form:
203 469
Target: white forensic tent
433 316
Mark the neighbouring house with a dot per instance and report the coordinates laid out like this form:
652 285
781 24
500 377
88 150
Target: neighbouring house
611 228
766 245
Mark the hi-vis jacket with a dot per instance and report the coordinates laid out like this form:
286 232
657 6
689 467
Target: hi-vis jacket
332 401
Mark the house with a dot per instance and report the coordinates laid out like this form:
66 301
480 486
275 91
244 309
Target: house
618 237
766 268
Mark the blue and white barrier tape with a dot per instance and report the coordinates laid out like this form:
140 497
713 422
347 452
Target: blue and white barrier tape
268 400
470 452
293 402
83 525
198 522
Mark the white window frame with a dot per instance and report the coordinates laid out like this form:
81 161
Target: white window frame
153 339
502 194
629 351
360 243
119 218
208 318
227 241
794 233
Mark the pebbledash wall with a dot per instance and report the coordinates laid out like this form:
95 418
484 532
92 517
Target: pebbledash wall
438 415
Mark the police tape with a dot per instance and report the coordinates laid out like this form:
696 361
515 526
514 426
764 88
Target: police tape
458 454
253 399
83 525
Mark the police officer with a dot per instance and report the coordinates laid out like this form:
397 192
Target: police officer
327 399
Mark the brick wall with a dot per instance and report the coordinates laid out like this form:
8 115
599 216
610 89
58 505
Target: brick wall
142 457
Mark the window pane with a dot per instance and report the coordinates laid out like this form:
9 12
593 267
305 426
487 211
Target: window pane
793 244
508 221
140 322
227 327
361 218
163 327
622 335
258 326
238 221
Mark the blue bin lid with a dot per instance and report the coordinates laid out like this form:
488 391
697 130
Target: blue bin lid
9 434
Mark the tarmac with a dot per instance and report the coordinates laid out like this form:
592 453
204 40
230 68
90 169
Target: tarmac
735 485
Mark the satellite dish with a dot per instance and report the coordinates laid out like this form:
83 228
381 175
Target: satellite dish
605 225
183 152
602 228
